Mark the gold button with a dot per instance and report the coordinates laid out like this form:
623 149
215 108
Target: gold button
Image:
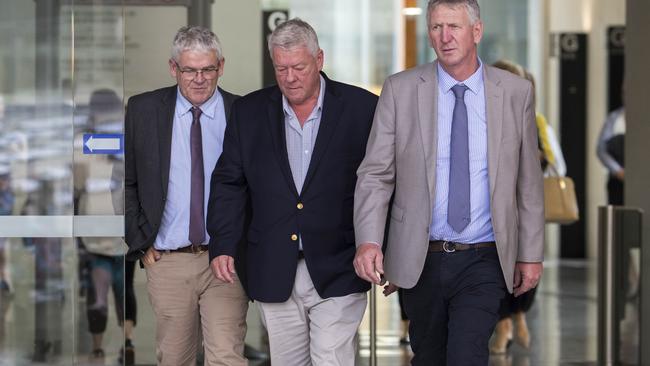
294 237
299 205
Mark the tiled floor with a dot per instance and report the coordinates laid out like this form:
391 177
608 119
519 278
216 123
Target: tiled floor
562 321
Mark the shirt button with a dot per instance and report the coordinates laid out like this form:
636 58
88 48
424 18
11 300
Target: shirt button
299 206
306 151
294 237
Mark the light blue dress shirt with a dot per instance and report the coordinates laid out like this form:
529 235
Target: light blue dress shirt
480 226
301 140
175 225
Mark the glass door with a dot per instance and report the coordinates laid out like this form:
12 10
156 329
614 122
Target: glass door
61 116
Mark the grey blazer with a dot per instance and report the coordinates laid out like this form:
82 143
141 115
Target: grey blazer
401 158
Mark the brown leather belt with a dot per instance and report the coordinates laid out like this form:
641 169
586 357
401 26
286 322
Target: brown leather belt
452 246
188 249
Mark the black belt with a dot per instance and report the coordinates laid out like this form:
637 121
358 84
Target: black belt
188 249
452 246
301 254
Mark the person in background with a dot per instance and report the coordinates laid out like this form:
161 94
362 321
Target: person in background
610 151
512 314
7 200
104 256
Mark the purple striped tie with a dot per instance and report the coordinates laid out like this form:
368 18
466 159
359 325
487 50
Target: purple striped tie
458 210
197 221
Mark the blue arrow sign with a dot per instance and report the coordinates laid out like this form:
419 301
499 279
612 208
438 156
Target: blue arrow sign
99 143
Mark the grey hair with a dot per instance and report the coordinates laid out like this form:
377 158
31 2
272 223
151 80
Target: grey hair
473 10
294 33
195 38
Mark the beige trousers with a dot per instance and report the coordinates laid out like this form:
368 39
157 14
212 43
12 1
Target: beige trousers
185 294
309 330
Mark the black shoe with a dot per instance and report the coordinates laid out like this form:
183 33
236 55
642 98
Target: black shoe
127 354
253 354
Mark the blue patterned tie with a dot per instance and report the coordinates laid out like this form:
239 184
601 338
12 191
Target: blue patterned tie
458 210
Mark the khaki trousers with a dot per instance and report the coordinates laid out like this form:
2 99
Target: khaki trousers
309 330
185 294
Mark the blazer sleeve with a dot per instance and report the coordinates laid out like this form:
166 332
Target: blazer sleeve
131 200
228 194
376 174
530 190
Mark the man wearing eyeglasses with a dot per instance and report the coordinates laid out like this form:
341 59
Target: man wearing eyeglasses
173 138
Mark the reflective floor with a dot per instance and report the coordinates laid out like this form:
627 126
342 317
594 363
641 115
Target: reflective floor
562 321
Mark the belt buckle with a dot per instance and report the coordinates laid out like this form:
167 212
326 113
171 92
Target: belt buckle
448 246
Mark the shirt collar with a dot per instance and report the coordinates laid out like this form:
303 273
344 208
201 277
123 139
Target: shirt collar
209 108
319 103
473 83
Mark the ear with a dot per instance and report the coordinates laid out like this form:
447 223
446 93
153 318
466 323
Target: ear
221 64
477 31
320 57
172 68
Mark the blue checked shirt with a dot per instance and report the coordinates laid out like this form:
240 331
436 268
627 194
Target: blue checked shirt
480 226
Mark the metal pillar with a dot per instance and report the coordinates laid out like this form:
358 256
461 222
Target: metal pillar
619 230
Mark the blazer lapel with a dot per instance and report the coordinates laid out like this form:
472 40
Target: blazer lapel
427 112
165 119
332 109
494 107
279 137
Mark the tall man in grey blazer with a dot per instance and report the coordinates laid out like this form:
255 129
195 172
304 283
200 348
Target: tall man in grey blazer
454 144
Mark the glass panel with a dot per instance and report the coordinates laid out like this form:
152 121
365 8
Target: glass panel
37 275
99 174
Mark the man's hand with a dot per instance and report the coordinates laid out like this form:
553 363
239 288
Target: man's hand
151 256
368 262
389 289
223 267
527 276
620 175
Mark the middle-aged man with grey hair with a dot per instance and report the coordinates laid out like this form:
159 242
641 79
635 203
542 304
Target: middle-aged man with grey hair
173 138
454 142
294 149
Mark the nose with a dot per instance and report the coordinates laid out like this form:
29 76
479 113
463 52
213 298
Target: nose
445 34
291 76
199 78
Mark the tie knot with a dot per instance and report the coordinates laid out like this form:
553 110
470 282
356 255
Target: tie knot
196 113
459 90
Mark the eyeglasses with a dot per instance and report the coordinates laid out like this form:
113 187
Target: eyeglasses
188 73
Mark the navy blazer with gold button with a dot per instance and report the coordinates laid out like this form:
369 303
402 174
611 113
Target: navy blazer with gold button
254 165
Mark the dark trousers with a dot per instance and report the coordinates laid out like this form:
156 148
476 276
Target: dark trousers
615 191
454 307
